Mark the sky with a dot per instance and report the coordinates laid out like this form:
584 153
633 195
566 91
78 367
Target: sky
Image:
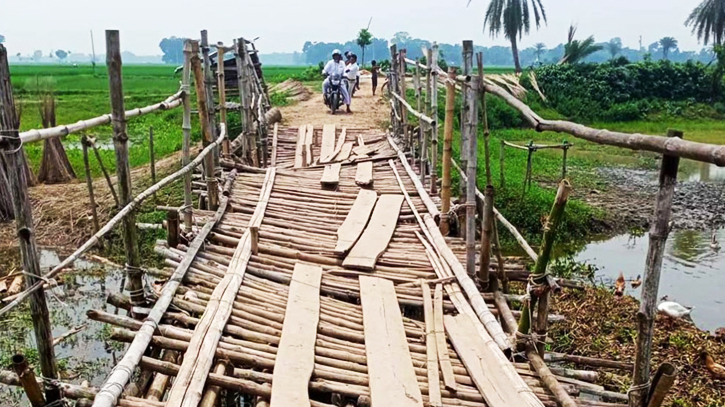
285 25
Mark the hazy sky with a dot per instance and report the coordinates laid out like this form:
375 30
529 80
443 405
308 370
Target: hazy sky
284 25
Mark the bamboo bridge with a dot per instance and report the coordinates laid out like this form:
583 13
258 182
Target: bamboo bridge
317 268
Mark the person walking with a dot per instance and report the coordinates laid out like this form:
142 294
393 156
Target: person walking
374 70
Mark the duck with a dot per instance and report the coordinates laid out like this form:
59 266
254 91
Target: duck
674 310
714 244
720 334
620 285
637 281
716 370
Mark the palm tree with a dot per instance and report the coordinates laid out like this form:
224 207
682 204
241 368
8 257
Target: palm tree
708 21
514 18
364 38
614 46
667 44
575 50
540 47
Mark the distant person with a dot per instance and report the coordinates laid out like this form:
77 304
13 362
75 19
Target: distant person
374 70
352 74
336 67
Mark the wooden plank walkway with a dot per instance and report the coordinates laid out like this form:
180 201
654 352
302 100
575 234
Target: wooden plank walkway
302 326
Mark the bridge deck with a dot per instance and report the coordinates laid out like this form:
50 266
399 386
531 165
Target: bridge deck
364 350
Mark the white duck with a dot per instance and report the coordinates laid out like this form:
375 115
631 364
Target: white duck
674 310
714 245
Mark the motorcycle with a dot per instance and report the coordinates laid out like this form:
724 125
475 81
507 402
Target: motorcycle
333 97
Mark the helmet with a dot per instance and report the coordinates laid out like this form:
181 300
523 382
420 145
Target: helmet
337 51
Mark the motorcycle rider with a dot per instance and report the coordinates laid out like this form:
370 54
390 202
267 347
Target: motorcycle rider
336 67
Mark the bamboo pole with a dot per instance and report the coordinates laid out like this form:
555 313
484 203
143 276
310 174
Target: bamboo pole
540 286
412 111
14 155
212 391
240 56
486 132
434 113
161 381
27 380
501 158
447 151
661 384
393 87
186 129
89 183
207 126
472 94
486 238
419 108
208 82
134 279
122 372
647 311
172 228
467 67
429 129
221 89
112 223
152 158
402 90
92 143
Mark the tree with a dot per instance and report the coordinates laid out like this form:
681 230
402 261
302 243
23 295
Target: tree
667 44
62 55
575 50
614 47
364 38
2 38
514 18
173 49
540 47
708 21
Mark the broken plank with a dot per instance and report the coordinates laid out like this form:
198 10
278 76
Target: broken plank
256 221
360 141
300 148
356 219
295 358
377 235
449 379
345 151
340 143
390 368
364 173
327 147
481 364
434 389
309 139
331 174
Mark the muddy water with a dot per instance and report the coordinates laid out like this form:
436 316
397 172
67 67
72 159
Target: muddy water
693 274
88 355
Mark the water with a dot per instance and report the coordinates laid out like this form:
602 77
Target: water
88 355
693 274
699 171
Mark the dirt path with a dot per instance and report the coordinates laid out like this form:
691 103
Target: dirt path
368 110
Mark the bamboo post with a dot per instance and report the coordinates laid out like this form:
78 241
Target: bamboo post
417 86
152 158
172 228
539 291
486 132
240 56
527 176
563 161
447 140
467 66
221 88
657 239
501 157
104 171
28 381
486 237
472 95
89 183
186 128
434 108
208 82
393 88
429 129
661 384
14 155
207 128
402 90
134 281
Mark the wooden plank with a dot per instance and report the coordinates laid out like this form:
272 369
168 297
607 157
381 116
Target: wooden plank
309 139
364 173
377 235
331 175
256 221
390 369
300 148
449 379
274 145
481 364
360 141
356 219
345 151
340 143
327 148
296 351
431 351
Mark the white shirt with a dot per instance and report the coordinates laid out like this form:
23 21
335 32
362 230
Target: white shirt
334 68
351 71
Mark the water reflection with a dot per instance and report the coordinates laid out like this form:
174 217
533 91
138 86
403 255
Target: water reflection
699 171
692 273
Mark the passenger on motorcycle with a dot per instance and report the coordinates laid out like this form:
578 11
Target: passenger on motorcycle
336 67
